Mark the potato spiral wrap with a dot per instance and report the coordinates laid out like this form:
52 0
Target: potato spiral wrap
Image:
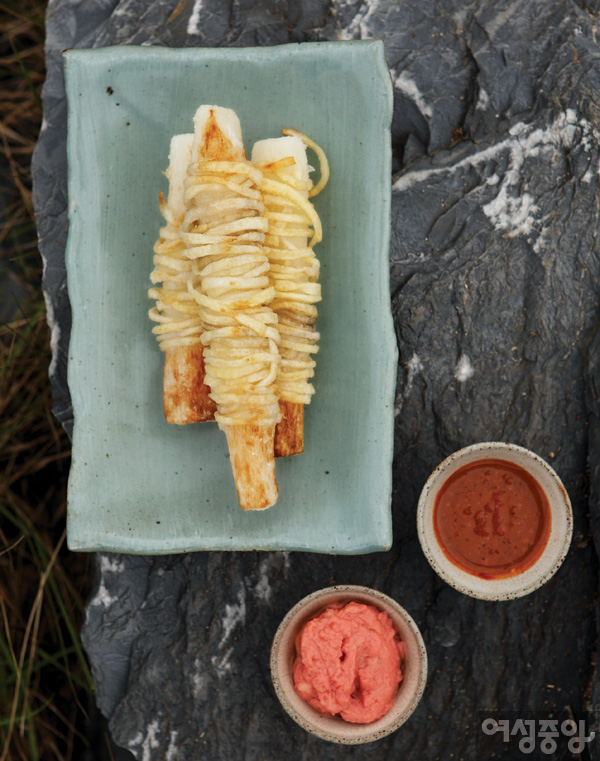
294 273
223 231
175 310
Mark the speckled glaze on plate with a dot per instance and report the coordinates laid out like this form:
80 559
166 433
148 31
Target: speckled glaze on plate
333 728
136 483
560 534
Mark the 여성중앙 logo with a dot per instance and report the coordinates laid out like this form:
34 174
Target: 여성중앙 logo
534 735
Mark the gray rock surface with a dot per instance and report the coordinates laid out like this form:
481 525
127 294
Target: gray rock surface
495 292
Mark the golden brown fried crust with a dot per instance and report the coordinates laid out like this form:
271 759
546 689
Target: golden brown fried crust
251 451
289 433
185 395
215 145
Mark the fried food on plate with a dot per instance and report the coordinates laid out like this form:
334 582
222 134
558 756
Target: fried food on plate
294 228
179 327
235 282
224 229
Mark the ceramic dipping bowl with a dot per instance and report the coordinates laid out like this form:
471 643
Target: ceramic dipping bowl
333 728
556 548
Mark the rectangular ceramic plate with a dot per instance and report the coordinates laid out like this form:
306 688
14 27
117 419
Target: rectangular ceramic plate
138 484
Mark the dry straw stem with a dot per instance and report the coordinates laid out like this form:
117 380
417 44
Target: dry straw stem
45 683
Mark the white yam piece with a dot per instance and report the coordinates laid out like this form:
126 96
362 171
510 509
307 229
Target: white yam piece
294 271
224 230
185 396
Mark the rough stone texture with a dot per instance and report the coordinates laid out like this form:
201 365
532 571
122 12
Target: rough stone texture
494 279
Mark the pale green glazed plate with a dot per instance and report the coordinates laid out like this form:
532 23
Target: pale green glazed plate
138 484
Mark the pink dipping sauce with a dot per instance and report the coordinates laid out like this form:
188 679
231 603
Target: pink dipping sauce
349 662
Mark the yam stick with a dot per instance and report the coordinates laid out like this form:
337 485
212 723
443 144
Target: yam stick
253 464
294 273
289 432
224 230
185 395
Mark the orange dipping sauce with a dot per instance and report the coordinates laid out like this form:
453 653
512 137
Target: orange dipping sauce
492 519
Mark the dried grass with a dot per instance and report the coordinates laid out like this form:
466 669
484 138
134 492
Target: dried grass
45 684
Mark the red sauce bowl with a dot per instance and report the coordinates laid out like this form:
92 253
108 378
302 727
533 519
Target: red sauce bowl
495 521
333 728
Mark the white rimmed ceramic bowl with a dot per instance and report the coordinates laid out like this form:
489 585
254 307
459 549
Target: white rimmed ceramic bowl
333 728
560 534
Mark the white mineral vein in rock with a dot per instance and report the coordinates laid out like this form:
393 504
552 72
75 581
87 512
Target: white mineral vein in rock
460 18
358 28
150 741
464 369
511 214
408 87
541 242
171 754
114 565
221 663
234 615
262 588
483 100
514 210
54 329
501 18
414 367
421 176
193 26
103 596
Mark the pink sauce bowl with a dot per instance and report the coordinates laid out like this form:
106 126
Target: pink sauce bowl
333 728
